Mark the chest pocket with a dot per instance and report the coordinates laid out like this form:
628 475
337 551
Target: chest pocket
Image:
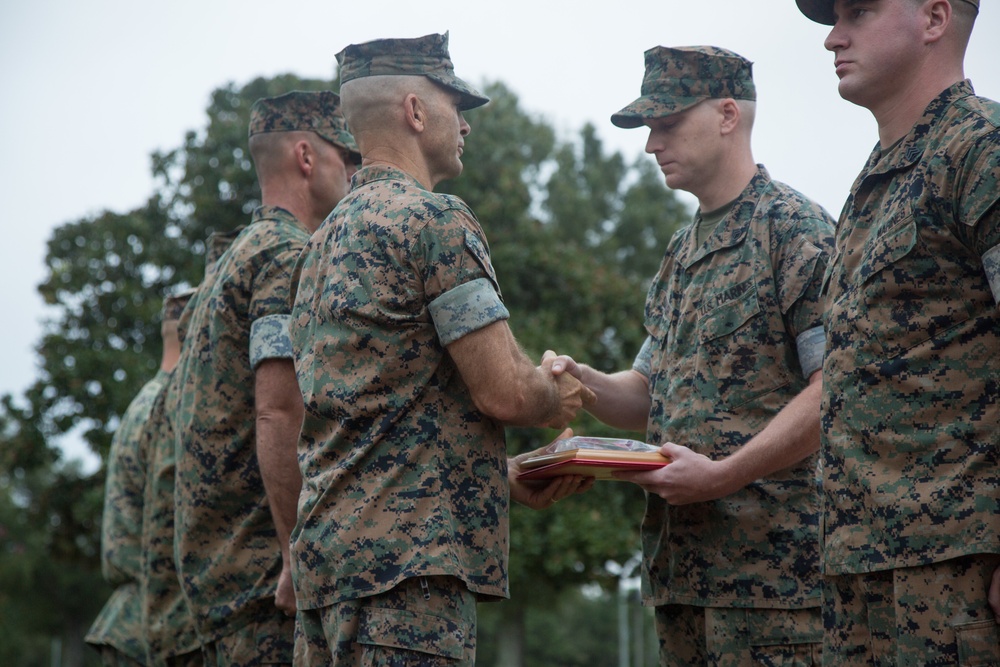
740 354
908 294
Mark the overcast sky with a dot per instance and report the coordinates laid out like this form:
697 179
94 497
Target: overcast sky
91 89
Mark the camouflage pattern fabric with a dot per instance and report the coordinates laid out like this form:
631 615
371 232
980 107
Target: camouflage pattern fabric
723 320
119 623
271 637
911 377
402 475
112 657
190 659
215 247
927 615
424 622
821 11
300 111
419 56
226 548
678 78
726 637
167 622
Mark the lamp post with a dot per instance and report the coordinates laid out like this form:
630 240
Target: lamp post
624 573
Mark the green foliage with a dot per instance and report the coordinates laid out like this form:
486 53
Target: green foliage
106 275
576 629
575 236
50 578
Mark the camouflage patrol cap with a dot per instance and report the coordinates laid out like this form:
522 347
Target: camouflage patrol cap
302 111
678 78
174 304
821 11
420 56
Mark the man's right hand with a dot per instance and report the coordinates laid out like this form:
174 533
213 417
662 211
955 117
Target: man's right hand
573 395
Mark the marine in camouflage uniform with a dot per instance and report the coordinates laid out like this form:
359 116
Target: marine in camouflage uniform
403 520
735 337
911 442
167 622
228 549
117 631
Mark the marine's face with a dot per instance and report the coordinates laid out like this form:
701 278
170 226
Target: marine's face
335 171
875 44
684 145
446 132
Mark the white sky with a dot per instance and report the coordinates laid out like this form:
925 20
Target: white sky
90 89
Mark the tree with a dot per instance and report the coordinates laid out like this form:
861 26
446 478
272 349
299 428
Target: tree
50 582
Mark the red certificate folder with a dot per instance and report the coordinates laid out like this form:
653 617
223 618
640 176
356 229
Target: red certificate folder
592 457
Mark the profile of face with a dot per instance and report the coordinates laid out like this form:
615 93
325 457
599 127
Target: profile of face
444 136
685 145
876 45
334 167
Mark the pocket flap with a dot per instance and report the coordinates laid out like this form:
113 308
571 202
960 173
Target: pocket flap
727 318
398 628
889 249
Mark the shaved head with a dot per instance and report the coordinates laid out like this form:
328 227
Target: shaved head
374 102
271 151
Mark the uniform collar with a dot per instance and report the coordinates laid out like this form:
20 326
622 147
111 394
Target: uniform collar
380 172
274 213
734 227
908 152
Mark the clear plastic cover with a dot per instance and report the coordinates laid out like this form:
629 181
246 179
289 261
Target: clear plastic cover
611 444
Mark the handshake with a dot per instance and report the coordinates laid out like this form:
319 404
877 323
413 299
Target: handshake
573 394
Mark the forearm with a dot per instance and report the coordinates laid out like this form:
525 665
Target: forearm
791 436
503 382
532 396
622 398
277 456
279 412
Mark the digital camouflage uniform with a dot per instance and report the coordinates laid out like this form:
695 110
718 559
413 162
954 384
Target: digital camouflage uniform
118 628
168 623
735 331
402 519
402 476
911 441
226 545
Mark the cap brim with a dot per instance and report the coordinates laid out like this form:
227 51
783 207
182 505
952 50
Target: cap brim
470 97
344 140
820 11
648 107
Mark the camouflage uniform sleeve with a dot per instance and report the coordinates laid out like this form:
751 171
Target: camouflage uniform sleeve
644 360
269 339
981 210
991 264
272 284
800 282
810 345
459 280
121 526
466 308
